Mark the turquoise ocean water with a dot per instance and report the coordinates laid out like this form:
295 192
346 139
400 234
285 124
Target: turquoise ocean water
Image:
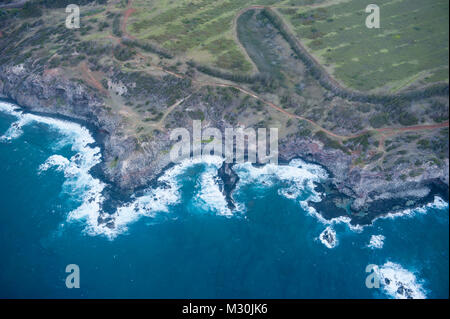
178 239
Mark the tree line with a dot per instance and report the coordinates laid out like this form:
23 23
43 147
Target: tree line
148 47
235 77
322 76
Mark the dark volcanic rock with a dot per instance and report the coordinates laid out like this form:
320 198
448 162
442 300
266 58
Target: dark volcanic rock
230 179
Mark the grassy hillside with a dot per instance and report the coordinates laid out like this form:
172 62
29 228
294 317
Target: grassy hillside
202 29
150 83
411 45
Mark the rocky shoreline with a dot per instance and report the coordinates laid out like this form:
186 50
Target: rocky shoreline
350 191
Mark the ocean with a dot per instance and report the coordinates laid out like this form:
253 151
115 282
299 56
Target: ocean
178 238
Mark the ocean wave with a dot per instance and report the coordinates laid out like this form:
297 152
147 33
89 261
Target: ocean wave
154 200
79 183
297 171
159 199
297 183
209 194
15 130
399 283
297 178
376 242
88 191
9 108
437 203
333 221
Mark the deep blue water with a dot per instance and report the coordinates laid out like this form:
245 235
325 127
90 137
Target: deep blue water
182 242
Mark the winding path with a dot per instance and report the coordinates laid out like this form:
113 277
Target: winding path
386 131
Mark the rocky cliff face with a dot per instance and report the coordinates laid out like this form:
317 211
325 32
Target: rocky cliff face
129 165
373 194
124 163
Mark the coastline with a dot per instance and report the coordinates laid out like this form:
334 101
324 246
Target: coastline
358 198
116 196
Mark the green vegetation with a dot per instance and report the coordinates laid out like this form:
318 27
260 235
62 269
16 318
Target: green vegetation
330 143
116 26
359 142
149 48
407 118
266 60
379 120
190 38
412 40
203 30
236 77
196 115
114 162
123 53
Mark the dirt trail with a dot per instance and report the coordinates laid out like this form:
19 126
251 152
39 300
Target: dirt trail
89 77
129 11
389 130
413 127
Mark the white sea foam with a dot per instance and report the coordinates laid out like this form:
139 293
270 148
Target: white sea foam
9 108
88 190
156 200
437 203
209 194
296 177
15 130
79 183
333 221
297 171
376 241
399 283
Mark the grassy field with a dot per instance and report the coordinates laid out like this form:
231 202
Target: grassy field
410 47
201 29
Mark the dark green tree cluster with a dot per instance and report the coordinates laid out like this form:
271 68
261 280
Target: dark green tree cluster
123 53
235 77
148 47
116 26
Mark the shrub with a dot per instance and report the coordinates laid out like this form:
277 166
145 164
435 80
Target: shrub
149 48
123 53
116 26
408 119
379 120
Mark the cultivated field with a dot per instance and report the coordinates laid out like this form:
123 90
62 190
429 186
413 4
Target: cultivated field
410 48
